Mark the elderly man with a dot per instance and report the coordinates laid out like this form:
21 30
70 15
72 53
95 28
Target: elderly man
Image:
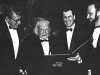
35 46
93 14
9 40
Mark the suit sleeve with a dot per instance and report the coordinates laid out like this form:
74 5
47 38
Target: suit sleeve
87 54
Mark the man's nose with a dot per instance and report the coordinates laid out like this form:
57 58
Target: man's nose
44 31
19 22
88 16
67 19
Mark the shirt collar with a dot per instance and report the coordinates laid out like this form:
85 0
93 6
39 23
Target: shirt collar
7 24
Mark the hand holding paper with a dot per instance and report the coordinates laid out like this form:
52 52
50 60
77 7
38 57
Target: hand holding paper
76 58
23 72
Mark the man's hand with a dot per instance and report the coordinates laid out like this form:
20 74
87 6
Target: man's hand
89 72
76 58
23 72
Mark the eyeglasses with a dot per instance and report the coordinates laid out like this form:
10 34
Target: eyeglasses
16 20
44 30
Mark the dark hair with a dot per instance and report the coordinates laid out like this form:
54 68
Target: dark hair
11 10
96 4
67 7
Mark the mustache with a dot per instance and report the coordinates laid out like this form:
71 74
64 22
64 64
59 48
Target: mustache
44 35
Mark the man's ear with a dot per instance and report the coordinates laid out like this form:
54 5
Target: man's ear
98 13
74 17
6 18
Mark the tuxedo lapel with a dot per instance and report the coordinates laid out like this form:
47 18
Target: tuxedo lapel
8 35
71 46
64 37
52 43
63 42
73 43
38 44
8 39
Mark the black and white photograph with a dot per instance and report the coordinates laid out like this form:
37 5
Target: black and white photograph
49 37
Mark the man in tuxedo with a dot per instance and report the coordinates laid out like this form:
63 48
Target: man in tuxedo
72 35
9 40
93 14
35 47
73 39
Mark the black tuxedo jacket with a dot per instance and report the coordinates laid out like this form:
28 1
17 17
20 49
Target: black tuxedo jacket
31 50
7 58
80 35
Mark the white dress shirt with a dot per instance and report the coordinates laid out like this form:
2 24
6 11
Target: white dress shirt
69 36
45 46
15 39
95 36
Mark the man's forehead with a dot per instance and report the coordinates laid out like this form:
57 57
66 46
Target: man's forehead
91 8
67 13
15 16
43 24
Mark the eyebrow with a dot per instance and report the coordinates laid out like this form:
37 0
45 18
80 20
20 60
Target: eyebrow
67 16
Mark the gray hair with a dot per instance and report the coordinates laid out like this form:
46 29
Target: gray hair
38 23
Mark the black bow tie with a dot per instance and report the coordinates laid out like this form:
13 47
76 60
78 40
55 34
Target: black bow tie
43 40
12 28
69 29
97 27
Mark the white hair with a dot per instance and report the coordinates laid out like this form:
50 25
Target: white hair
38 23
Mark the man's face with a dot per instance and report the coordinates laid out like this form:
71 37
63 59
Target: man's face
14 21
44 30
68 18
91 13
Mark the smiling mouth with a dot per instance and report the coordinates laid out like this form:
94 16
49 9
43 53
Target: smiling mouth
44 35
68 22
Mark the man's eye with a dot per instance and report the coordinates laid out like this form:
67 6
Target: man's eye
47 31
41 30
90 13
65 18
69 16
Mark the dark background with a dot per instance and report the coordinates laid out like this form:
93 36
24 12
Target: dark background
51 9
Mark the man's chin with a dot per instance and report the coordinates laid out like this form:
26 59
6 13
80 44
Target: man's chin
69 25
91 22
15 26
